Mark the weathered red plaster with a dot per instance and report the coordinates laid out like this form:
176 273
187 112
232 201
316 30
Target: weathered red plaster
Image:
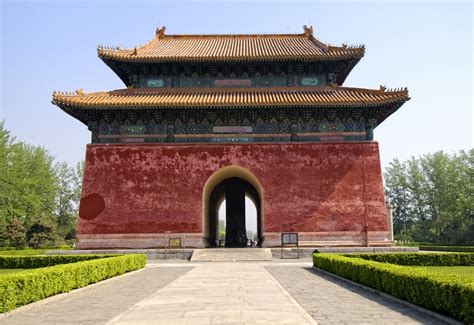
91 206
307 187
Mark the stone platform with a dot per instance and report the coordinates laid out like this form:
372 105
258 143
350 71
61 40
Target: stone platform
231 254
287 252
152 254
240 254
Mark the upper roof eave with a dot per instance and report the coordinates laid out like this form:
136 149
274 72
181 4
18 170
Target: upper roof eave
232 48
147 98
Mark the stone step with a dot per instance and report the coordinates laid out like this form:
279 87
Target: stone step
231 254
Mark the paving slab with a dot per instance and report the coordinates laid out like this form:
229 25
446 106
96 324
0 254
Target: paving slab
99 304
219 293
268 292
330 301
231 254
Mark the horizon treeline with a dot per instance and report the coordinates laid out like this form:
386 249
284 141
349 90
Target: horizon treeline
433 196
39 196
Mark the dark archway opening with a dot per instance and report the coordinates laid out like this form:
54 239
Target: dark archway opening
233 190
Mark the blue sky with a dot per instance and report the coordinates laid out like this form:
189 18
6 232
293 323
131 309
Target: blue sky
426 46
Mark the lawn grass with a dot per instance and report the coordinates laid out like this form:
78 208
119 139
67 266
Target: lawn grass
467 272
8 271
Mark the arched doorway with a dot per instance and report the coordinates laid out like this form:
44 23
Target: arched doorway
232 184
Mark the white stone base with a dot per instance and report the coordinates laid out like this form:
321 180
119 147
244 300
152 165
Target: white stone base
196 240
333 239
138 241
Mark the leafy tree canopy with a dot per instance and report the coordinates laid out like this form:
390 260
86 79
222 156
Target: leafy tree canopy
32 184
434 197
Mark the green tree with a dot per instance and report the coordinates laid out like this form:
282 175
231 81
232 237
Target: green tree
396 192
69 182
221 232
42 232
434 197
32 185
13 233
29 183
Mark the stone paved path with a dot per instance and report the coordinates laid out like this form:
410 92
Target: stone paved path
100 304
330 301
223 293
219 293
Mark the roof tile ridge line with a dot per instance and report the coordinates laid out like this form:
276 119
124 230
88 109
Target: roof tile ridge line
80 93
345 47
309 33
104 49
101 49
326 47
381 90
230 36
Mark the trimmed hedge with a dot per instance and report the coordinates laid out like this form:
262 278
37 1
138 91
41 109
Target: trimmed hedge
33 262
425 259
448 248
23 252
26 248
450 295
19 289
30 251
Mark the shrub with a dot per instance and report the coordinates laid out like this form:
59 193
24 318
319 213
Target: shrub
57 247
33 262
14 233
448 248
22 252
41 232
450 295
19 289
428 259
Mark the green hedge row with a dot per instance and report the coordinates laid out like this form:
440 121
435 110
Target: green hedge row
33 262
448 248
447 294
26 248
425 259
19 289
30 251
23 252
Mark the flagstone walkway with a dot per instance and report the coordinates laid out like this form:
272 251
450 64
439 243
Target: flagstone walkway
222 293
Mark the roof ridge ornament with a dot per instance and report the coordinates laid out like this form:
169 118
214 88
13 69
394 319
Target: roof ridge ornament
160 32
308 30
80 92
382 89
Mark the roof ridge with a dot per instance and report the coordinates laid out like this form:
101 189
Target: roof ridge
139 91
140 51
232 35
382 89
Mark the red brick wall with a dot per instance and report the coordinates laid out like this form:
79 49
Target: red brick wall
156 188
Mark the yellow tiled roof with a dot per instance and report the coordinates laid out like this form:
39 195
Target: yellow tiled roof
143 98
204 48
